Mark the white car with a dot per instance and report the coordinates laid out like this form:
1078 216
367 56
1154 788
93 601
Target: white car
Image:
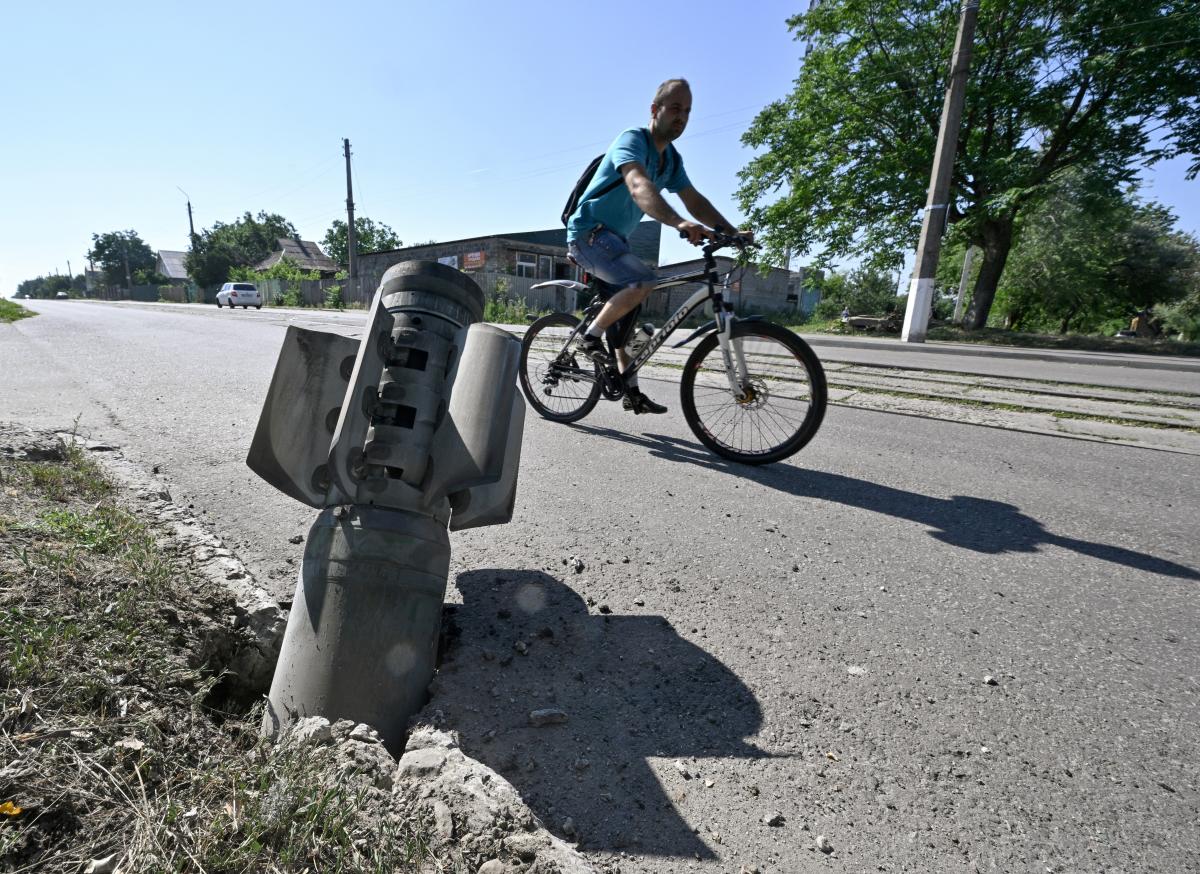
239 294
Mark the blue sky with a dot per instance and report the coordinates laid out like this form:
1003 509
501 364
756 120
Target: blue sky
465 118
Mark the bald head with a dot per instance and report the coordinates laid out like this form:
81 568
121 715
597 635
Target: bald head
667 87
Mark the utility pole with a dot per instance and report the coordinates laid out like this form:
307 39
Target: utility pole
191 227
937 206
351 242
968 259
125 250
191 238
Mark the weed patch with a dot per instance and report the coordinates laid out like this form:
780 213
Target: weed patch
11 312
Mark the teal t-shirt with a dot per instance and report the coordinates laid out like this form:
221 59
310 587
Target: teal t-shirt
616 209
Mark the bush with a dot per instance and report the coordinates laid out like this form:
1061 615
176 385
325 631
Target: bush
290 298
1182 320
863 291
508 311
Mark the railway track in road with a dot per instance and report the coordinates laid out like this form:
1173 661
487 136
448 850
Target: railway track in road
1162 420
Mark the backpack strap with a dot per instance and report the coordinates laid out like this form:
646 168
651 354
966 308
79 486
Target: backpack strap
574 203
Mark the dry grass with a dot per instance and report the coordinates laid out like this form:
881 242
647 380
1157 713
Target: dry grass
116 738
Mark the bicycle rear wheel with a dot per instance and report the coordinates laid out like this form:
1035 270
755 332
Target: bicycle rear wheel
783 399
563 386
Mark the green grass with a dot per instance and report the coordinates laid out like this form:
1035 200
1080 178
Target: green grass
78 477
11 312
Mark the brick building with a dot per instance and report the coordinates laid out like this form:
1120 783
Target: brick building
776 291
520 260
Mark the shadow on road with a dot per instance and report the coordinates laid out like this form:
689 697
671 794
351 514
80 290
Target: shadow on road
977 524
632 689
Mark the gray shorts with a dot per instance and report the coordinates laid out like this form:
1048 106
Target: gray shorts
606 255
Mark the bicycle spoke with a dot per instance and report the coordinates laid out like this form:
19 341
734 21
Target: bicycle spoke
560 384
773 406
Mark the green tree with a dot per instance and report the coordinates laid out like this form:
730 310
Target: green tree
864 291
1052 86
111 252
243 243
368 237
1158 264
1088 255
284 269
1183 318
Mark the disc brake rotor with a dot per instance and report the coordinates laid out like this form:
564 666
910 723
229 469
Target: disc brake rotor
754 395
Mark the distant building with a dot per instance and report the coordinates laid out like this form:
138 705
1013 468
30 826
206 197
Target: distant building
776 291
306 255
514 261
170 265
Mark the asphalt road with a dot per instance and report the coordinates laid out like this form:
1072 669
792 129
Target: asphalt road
807 644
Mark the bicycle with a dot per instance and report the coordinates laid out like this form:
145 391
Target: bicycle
751 391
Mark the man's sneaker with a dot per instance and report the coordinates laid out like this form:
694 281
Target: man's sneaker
638 403
594 349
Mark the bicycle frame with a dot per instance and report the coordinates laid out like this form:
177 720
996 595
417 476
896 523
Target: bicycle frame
731 352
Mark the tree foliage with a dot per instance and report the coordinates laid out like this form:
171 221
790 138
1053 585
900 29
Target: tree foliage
243 243
1183 318
1090 255
368 237
847 155
109 253
48 286
864 291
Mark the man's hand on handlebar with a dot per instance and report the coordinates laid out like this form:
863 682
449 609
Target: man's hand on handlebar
717 238
694 233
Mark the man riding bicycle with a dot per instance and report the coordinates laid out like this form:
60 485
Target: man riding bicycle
627 185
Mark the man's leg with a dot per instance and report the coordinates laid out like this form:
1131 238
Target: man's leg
620 304
607 256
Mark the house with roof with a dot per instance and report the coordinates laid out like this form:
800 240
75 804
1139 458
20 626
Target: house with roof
170 265
304 254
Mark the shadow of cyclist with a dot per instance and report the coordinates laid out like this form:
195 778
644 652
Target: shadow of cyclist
632 688
977 524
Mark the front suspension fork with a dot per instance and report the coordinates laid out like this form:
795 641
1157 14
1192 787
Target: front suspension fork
732 354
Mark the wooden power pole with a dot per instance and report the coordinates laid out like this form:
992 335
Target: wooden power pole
937 206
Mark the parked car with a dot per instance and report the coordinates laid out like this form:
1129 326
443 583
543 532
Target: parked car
239 294
62 295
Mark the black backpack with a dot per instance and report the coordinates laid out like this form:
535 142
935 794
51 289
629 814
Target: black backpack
586 179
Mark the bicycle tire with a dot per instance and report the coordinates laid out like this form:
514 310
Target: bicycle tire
543 382
777 360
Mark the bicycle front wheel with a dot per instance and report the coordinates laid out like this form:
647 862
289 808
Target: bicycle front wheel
780 402
563 385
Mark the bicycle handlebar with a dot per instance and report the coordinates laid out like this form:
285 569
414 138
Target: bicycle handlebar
718 239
